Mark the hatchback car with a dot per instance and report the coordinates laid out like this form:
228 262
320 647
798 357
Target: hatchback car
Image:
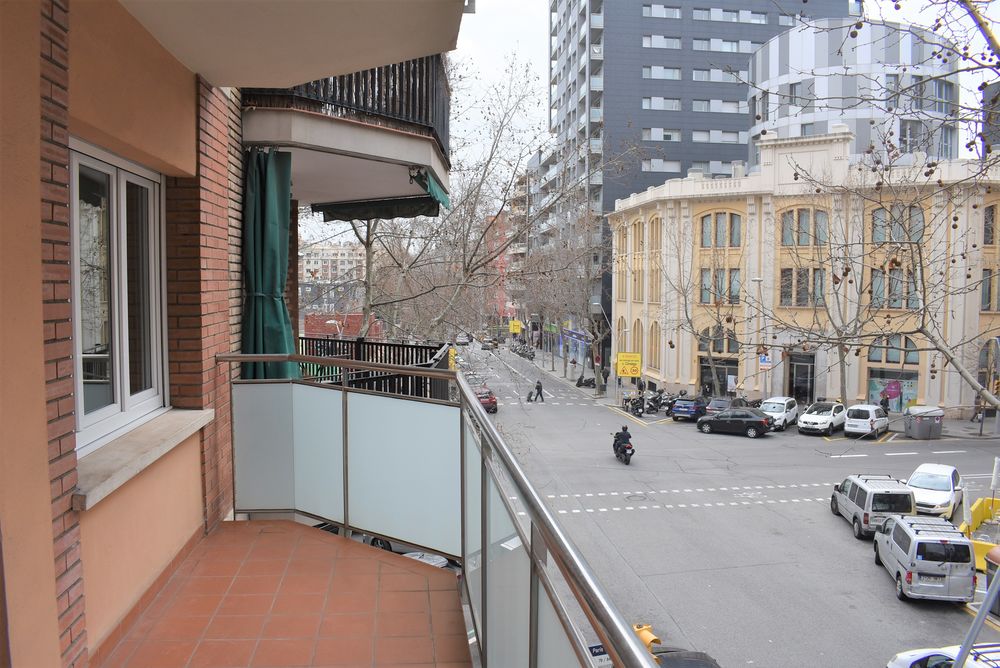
487 399
719 404
937 489
744 420
689 408
784 410
822 417
985 655
864 419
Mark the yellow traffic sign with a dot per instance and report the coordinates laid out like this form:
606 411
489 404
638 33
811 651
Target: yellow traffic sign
452 354
514 326
628 365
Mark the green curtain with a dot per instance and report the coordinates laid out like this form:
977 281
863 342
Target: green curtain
267 200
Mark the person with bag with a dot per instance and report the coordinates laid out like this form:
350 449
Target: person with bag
538 392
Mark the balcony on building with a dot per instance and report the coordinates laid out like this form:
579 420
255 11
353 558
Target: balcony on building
597 21
597 83
596 115
518 249
370 144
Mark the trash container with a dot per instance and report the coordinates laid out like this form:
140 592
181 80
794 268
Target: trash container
922 422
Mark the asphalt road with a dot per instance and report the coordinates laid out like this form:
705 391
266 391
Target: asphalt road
723 543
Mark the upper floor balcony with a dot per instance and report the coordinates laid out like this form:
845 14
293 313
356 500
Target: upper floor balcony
371 141
437 477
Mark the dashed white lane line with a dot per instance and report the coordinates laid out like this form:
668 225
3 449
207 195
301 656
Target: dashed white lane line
947 452
690 505
899 454
703 490
845 456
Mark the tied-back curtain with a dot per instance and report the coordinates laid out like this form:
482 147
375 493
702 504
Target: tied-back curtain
267 329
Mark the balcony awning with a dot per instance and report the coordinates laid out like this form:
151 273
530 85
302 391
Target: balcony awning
394 207
430 184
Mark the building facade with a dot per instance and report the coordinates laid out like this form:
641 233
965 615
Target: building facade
774 286
884 83
331 262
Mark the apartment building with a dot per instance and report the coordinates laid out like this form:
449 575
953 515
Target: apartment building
767 284
331 262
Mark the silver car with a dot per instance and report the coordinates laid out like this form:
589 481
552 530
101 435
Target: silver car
927 557
937 489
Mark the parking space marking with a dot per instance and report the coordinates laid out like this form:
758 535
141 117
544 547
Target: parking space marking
899 454
845 456
615 409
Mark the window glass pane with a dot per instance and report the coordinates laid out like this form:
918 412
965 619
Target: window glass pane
819 286
892 351
94 211
801 287
720 230
895 288
897 230
875 352
706 231
734 229
734 286
787 228
805 236
878 288
820 221
706 286
916 223
912 298
720 284
986 289
786 287
988 217
140 326
878 226
912 355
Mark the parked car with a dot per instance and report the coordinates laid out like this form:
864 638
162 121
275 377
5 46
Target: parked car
487 399
719 404
928 558
462 339
984 655
864 419
784 410
866 500
689 408
937 489
822 417
743 420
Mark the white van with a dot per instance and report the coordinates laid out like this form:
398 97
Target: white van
864 419
866 500
928 557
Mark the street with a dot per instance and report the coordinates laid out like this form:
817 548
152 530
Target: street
723 543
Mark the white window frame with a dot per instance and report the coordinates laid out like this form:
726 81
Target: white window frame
126 411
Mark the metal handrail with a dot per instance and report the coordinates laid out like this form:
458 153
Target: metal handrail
620 642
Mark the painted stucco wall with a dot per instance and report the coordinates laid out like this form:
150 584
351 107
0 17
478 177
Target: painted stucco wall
130 537
127 93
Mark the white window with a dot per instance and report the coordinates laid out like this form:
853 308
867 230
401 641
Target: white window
758 18
729 137
729 107
699 105
660 165
702 14
729 46
660 72
946 146
701 136
911 136
785 20
808 130
661 11
660 42
659 134
701 44
795 94
725 77
118 283
702 165
661 103
700 75
730 15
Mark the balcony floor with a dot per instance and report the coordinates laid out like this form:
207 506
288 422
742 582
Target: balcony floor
276 594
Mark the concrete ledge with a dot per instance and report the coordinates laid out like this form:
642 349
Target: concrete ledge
106 469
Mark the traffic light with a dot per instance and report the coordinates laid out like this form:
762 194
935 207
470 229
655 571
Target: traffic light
648 638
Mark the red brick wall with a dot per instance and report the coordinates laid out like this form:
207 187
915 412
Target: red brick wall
58 328
202 220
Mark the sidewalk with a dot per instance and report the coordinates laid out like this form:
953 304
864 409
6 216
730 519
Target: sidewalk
952 428
543 364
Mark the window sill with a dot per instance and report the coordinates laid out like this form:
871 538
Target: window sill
102 472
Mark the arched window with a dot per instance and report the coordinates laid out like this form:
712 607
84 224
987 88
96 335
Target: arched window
620 335
720 229
637 336
722 341
893 350
654 345
805 227
898 224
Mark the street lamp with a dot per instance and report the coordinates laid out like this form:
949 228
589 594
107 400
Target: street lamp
596 307
763 329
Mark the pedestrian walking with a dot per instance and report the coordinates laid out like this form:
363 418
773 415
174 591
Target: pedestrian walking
538 392
884 402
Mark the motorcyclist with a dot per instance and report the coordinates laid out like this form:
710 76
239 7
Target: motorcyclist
621 438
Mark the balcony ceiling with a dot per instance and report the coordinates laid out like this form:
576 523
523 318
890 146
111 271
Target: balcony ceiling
281 43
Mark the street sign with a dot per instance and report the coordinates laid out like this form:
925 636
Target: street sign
599 656
515 326
764 362
628 365
451 359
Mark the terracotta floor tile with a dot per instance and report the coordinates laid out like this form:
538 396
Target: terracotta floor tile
250 604
298 566
343 651
205 567
178 628
447 621
234 627
286 604
403 601
264 567
162 654
316 551
347 624
350 601
291 626
404 650
205 586
402 624
258 552
445 600
226 552
303 584
402 582
285 652
223 654
445 581
187 606
353 582
255 584
451 648
356 566
120 655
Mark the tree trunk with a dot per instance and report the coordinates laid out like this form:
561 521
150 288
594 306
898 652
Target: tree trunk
984 394
842 368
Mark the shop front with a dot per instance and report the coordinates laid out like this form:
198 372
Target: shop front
898 385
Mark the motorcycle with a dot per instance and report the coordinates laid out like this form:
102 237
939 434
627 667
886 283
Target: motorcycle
654 402
636 406
623 451
585 382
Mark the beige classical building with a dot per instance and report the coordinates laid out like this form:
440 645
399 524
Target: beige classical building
811 276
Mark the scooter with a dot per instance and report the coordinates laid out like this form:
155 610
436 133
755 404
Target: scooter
623 452
585 382
654 402
636 406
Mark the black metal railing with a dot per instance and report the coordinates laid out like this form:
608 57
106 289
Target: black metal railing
413 95
425 356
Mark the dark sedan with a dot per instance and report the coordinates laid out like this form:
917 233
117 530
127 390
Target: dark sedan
748 421
719 404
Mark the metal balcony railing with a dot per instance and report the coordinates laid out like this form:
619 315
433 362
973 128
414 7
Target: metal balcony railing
435 474
413 95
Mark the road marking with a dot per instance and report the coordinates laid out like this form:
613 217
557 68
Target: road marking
615 409
898 454
948 452
845 456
